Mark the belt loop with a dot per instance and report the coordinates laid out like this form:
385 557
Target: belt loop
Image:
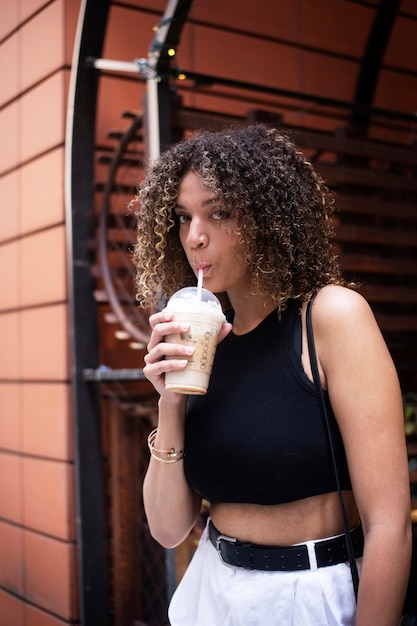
312 555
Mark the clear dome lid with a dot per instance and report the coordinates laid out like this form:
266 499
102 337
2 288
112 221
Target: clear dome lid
196 299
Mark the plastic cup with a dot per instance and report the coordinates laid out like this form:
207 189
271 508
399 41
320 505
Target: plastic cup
202 311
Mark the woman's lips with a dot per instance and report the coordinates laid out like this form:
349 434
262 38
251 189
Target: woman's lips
202 266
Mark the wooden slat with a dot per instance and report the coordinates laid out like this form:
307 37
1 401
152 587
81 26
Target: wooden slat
376 206
367 234
375 265
192 119
136 160
101 296
120 260
397 323
379 293
118 188
355 147
304 138
122 235
337 174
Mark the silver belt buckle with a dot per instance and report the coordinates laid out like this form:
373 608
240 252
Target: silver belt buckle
218 545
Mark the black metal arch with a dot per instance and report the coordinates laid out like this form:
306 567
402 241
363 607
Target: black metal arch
79 189
378 39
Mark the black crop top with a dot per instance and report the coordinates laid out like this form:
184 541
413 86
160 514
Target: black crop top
257 436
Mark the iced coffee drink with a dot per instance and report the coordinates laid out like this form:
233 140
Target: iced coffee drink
202 311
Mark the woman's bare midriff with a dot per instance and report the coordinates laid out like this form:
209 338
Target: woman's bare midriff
284 524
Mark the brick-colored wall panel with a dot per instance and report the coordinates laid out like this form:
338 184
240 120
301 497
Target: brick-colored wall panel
10 364
9 12
48 497
401 51
9 201
272 19
273 64
9 84
11 558
396 92
316 72
29 7
43 117
9 122
46 420
10 416
122 41
36 617
43 267
40 55
12 610
319 25
10 487
9 275
42 191
50 575
45 343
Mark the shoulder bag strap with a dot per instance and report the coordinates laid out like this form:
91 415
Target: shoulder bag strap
320 398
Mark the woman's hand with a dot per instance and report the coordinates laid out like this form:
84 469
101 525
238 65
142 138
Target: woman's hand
156 360
165 357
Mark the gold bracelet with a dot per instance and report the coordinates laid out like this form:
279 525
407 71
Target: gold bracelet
165 456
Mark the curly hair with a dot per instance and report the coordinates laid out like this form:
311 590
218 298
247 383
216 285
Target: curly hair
282 207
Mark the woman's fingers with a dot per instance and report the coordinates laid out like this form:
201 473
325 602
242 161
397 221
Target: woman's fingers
168 351
164 356
162 325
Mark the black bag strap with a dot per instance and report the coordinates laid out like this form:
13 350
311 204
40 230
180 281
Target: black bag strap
322 404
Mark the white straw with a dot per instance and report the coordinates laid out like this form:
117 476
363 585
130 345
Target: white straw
199 283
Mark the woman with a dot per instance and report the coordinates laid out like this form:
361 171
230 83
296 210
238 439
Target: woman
249 210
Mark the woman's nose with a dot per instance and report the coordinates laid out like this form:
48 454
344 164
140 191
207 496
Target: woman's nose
197 237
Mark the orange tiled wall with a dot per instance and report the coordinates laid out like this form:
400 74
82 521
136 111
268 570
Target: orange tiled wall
37 538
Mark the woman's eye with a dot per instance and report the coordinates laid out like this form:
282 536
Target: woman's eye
182 219
220 215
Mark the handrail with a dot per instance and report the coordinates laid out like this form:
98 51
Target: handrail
127 324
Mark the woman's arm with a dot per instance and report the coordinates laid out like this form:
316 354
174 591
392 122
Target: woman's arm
171 506
366 399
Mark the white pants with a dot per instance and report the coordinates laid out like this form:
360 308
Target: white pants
213 593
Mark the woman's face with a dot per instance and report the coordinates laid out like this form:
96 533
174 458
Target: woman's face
210 237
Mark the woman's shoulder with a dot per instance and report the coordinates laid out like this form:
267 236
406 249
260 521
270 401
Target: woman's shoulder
339 301
337 308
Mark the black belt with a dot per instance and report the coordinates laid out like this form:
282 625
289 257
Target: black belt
287 558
